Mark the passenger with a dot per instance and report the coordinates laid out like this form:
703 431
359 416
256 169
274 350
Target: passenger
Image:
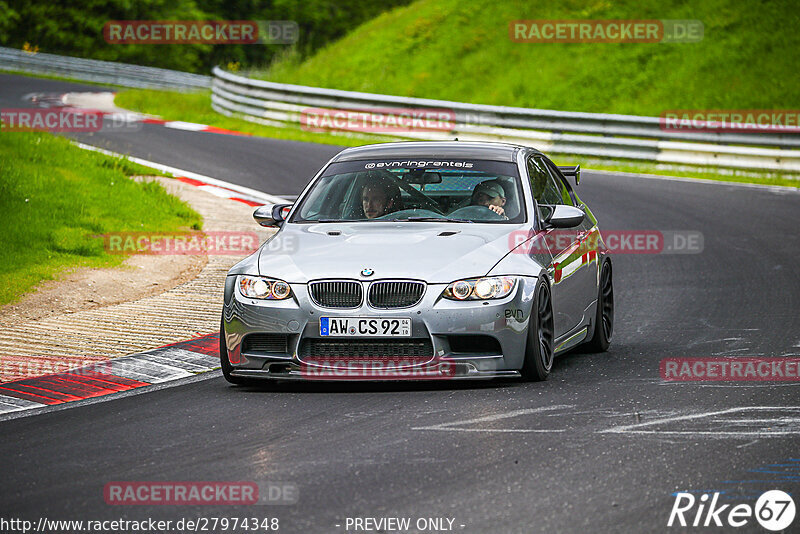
379 197
490 194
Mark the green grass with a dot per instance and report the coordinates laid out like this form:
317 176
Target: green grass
460 50
54 197
196 107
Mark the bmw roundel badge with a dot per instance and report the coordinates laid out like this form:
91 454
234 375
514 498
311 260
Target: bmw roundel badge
367 272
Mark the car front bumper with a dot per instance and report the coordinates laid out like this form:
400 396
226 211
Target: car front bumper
467 339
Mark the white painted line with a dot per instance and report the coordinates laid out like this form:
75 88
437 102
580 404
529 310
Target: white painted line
180 359
497 417
257 195
217 191
670 420
13 404
145 371
189 126
764 422
178 355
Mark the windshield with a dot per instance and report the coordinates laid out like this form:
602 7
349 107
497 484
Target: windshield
410 191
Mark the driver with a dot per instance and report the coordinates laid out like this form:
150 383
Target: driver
490 194
379 197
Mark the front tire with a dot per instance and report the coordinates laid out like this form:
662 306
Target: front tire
604 314
539 351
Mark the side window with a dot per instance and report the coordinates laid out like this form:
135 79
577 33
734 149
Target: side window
566 197
545 190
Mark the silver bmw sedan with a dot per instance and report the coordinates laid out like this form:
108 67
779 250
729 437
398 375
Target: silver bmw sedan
421 260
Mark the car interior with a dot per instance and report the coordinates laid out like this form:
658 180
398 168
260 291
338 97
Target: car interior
439 193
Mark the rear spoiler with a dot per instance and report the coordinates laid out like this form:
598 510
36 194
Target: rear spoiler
572 170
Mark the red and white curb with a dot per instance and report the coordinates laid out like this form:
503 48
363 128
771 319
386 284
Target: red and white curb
164 364
191 126
211 185
102 103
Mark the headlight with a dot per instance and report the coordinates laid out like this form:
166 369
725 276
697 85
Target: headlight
493 287
256 287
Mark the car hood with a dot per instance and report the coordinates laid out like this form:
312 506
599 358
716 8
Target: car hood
433 252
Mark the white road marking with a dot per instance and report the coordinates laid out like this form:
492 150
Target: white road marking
489 418
13 404
257 195
146 371
190 126
222 193
193 362
764 425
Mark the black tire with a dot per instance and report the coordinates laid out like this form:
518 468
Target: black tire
604 315
539 351
225 364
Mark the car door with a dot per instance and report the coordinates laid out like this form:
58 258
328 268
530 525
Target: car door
568 289
586 275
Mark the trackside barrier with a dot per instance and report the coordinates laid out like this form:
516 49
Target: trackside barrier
588 134
93 70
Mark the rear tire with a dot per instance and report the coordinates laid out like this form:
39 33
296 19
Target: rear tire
539 349
225 364
604 314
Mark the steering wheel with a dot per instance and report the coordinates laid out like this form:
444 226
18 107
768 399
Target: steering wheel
481 213
414 193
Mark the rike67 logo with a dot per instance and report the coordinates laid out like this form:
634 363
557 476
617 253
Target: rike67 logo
774 510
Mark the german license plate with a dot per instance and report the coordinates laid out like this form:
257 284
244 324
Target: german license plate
364 327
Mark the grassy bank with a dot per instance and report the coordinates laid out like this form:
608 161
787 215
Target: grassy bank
196 107
461 50
54 197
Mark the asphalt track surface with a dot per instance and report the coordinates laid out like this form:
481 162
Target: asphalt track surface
599 447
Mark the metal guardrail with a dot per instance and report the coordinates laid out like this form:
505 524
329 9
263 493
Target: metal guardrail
562 132
94 70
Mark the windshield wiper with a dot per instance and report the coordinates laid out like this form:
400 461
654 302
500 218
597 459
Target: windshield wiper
436 219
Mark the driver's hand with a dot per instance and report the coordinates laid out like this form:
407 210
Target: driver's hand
497 209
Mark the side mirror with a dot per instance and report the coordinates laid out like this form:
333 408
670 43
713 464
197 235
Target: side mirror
572 170
271 214
564 217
